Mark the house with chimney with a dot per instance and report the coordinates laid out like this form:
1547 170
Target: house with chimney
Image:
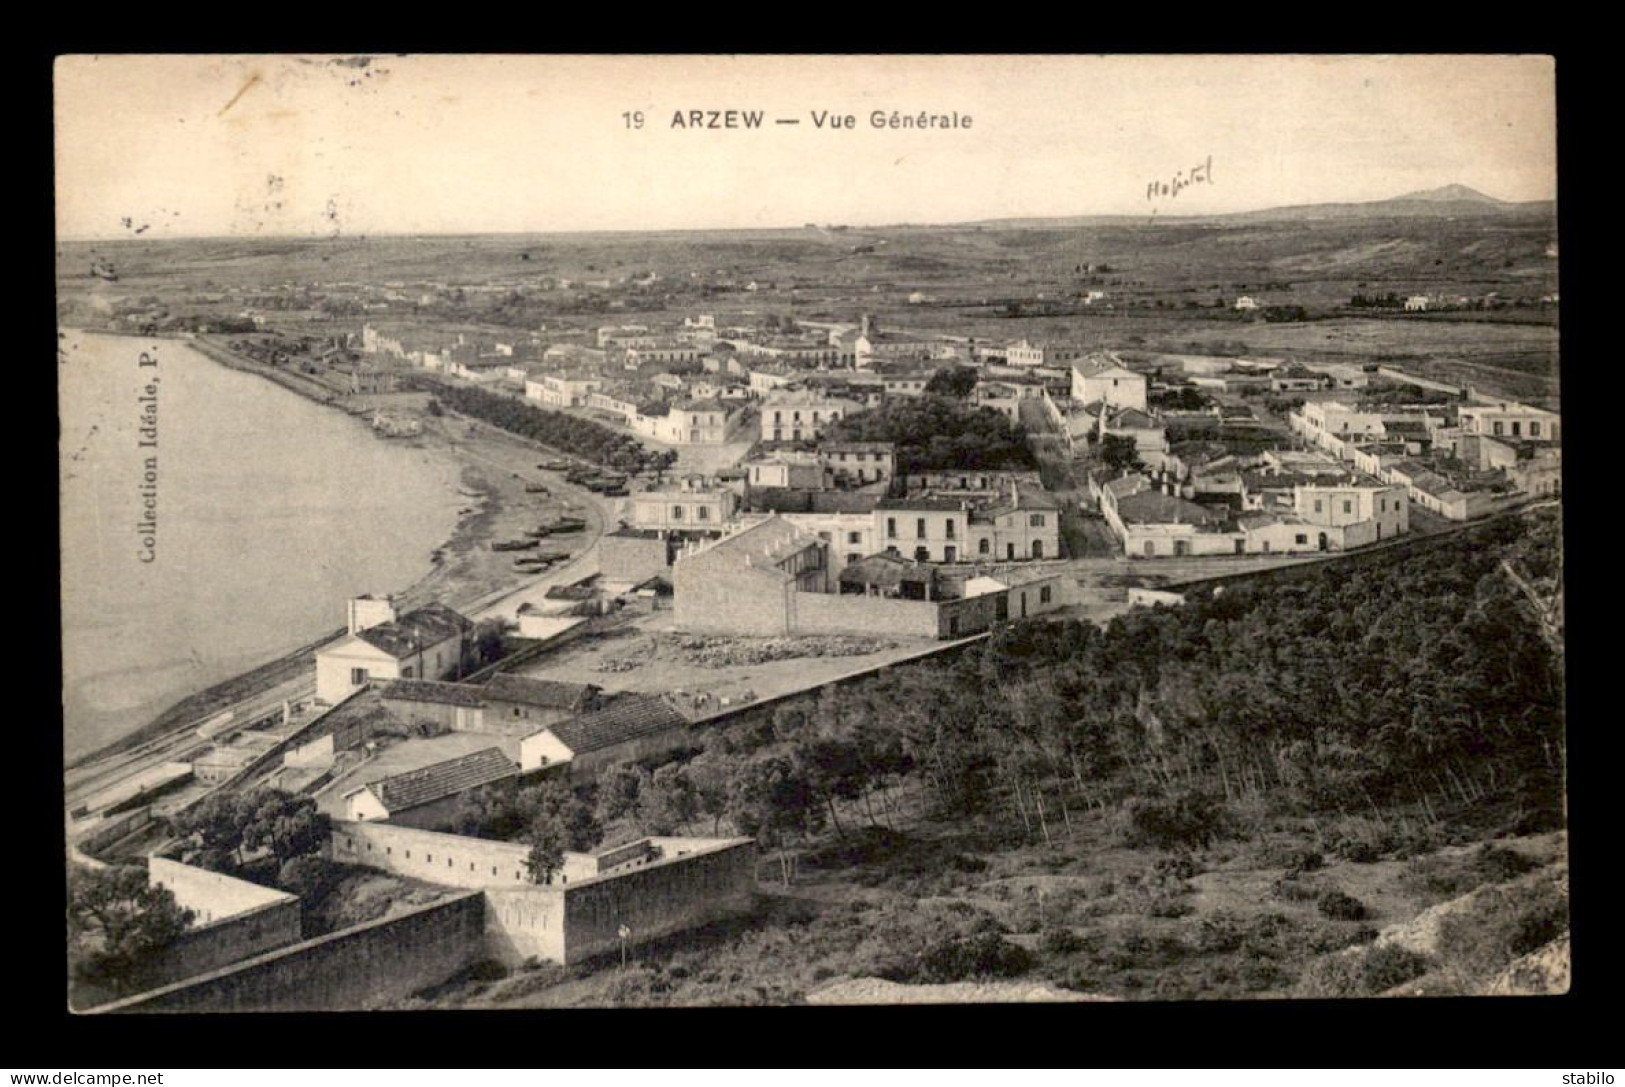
429 643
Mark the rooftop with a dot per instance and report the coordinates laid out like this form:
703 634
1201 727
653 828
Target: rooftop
856 447
887 571
764 544
416 630
936 505
547 693
628 717
1156 508
427 690
415 788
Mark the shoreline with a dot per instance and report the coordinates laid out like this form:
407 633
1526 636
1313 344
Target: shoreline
475 527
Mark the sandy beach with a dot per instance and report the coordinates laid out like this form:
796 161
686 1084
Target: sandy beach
486 471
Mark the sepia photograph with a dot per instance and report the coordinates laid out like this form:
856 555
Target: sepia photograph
632 531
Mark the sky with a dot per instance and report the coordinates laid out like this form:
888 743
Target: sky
195 146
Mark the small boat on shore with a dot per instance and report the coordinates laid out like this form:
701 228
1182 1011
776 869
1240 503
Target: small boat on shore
536 488
513 545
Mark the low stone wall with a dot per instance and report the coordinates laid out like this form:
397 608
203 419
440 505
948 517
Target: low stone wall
832 613
362 967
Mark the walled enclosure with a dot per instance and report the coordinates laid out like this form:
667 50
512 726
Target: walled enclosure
235 919
362 967
691 881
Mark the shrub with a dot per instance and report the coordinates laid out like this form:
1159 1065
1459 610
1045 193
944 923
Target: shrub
984 954
1389 965
1167 905
1189 821
1180 867
1060 941
1218 933
1504 924
964 862
1498 864
486 970
1305 860
1327 938
1365 972
1292 889
1439 877
1338 906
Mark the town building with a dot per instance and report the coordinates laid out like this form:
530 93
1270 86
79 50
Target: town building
692 506
699 422
774 578
427 643
871 345
797 417
858 463
562 390
1324 513
627 726
1027 353
797 469
928 529
1509 420
906 383
427 796
1103 377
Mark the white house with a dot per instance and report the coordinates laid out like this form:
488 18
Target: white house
1103 376
423 644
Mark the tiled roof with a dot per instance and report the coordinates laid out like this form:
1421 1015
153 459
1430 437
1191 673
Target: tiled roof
1252 522
547 693
1101 362
1125 486
887 571
427 690
627 718
426 784
1156 508
415 631
787 500
937 505
1131 418
856 447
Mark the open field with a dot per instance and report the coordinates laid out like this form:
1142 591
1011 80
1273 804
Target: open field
650 657
1162 282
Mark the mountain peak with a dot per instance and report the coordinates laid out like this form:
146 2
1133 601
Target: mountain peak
1450 193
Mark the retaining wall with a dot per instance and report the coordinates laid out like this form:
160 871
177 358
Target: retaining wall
362 967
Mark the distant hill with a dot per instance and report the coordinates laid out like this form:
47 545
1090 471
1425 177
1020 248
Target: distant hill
1448 201
1451 193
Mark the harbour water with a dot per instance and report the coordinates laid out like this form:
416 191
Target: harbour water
212 520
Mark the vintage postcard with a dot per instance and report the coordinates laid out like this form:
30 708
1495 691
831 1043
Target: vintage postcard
626 531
